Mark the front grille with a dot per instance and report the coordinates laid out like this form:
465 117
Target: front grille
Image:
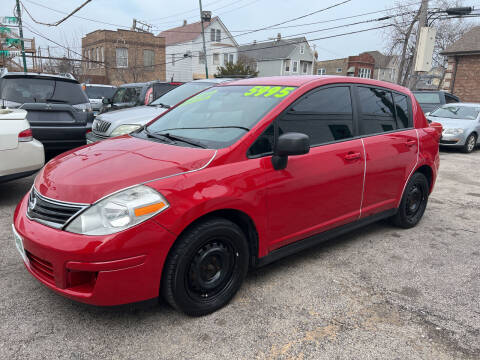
448 142
100 126
50 212
42 267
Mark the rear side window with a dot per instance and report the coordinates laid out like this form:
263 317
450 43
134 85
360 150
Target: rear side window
127 95
450 99
28 90
402 111
161 89
377 113
324 115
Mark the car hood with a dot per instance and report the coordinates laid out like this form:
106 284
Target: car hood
86 174
134 115
448 123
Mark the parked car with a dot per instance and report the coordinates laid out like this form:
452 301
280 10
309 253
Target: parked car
461 125
96 93
120 122
235 177
20 154
432 100
57 108
136 94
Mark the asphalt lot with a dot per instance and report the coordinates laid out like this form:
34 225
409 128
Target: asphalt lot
378 293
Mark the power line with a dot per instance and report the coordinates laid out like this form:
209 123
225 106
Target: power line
186 12
59 21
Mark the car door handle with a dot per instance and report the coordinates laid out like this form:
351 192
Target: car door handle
411 142
353 156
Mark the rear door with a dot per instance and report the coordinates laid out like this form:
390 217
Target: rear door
391 146
322 189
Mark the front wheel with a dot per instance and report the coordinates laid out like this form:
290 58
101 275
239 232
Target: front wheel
206 267
414 202
470 144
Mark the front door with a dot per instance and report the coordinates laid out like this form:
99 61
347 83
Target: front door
323 189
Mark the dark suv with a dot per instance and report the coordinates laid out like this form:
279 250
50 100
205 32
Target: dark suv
432 100
135 94
58 109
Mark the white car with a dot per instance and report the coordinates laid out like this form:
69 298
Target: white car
20 154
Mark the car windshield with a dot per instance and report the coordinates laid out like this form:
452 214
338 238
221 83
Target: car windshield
126 94
427 98
181 93
457 112
218 117
29 90
99 92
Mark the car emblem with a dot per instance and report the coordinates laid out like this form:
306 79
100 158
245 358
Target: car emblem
32 204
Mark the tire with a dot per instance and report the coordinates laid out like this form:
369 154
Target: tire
205 267
414 202
470 144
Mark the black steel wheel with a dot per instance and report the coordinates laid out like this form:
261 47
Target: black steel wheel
414 202
205 267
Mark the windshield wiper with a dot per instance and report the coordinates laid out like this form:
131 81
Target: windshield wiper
209 127
57 101
182 139
158 136
165 106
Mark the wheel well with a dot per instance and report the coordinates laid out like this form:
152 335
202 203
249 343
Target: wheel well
244 222
427 171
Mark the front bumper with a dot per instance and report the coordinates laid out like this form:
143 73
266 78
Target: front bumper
452 140
100 270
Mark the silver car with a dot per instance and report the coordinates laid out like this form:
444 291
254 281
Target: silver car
124 121
461 125
95 94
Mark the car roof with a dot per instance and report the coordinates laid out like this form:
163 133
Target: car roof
462 104
319 79
100 85
213 81
38 76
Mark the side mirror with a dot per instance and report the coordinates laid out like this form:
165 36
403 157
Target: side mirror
106 101
289 144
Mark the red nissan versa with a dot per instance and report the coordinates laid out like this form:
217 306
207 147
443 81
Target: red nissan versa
235 177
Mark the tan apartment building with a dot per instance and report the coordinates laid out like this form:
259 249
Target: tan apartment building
122 56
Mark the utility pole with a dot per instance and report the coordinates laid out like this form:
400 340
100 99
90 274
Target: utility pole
422 21
19 15
203 37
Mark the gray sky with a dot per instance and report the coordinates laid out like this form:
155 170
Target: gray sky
237 15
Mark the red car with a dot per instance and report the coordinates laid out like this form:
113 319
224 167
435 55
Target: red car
233 178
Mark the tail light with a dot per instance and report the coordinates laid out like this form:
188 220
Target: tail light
25 135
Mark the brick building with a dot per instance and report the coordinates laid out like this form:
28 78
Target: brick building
462 77
122 56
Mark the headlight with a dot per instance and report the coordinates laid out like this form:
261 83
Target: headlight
124 129
119 211
453 131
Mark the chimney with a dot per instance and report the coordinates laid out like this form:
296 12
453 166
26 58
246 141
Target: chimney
279 37
184 22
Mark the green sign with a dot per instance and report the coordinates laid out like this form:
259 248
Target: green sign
267 91
8 53
5 30
9 20
11 42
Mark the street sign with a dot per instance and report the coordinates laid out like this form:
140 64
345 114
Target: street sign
10 53
8 20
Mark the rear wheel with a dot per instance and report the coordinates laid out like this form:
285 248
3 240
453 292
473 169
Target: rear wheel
414 202
206 267
470 143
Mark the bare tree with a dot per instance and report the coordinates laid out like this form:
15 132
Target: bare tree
401 37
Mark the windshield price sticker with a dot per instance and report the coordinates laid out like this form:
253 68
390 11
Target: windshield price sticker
199 97
267 91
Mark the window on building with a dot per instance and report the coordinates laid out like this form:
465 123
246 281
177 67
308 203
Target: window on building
304 68
148 59
216 59
219 36
85 59
321 71
99 57
230 58
287 65
121 55
364 73
295 66
324 115
89 58
302 49
212 34
102 51
339 70
225 59
201 57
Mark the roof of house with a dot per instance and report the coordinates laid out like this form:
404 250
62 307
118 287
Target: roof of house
381 60
275 49
467 44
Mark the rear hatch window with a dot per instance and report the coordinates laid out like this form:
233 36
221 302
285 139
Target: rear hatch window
126 94
428 98
34 90
99 92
